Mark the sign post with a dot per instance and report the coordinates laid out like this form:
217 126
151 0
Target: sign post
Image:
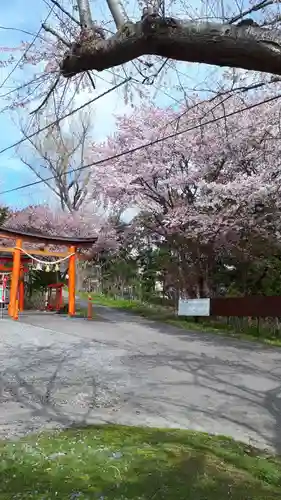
194 307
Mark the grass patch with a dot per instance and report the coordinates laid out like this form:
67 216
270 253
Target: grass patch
122 463
165 315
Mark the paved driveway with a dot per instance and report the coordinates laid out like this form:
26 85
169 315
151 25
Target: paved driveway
56 371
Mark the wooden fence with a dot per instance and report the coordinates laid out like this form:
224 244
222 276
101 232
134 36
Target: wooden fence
255 306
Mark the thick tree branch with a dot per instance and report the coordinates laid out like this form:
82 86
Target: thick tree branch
247 47
89 30
85 14
116 13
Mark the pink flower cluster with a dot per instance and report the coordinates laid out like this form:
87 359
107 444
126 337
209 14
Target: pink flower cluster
42 220
218 180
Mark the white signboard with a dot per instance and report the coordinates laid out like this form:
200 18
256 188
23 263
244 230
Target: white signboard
194 307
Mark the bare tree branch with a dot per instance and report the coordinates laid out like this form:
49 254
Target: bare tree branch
254 8
91 79
65 42
30 166
52 88
48 28
116 13
247 47
56 152
85 14
272 21
59 6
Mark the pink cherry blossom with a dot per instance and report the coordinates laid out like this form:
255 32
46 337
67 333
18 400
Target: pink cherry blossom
217 184
43 220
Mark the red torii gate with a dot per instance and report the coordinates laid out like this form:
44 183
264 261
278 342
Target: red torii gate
6 268
17 286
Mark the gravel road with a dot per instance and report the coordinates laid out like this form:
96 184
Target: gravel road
57 371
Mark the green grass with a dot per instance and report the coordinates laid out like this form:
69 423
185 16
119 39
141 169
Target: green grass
165 315
115 462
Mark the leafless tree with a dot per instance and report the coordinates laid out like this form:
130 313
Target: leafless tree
55 153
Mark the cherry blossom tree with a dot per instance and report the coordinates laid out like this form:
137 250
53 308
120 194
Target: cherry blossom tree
42 220
212 191
244 45
209 188
144 46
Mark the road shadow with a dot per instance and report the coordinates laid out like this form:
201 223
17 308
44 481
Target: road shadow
188 335
228 382
223 382
106 315
43 387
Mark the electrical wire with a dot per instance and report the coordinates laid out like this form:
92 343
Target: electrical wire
58 120
55 122
146 145
27 49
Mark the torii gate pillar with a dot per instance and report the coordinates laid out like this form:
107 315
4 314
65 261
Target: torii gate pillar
71 282
13 305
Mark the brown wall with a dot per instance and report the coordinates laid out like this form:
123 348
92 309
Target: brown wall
259 306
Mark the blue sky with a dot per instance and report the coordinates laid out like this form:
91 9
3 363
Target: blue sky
15 15
29 16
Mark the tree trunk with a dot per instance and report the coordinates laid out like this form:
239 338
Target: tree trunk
203 287
248 47
80 276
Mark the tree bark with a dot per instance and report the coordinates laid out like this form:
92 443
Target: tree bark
247 47
85 14
116 13
80 276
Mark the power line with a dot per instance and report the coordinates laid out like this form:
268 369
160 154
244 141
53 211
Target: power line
55 122
27 49
44 76
27 84
25 32
20 141
146 145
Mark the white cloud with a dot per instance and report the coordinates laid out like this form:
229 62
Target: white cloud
103 110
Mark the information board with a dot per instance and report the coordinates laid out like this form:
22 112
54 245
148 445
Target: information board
194 307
